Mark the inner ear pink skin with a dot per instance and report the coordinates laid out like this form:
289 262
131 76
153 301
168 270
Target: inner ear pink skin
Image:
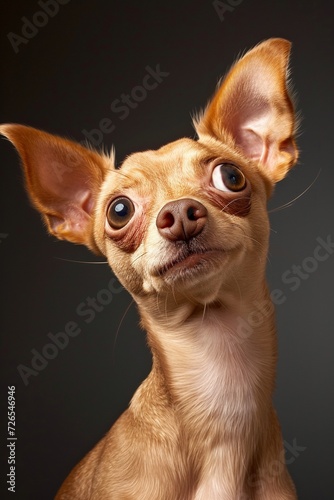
253 107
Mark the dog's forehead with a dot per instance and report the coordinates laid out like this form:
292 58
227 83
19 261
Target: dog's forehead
153 168
173 156
180 159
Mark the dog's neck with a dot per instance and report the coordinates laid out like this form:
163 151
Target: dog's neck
212 362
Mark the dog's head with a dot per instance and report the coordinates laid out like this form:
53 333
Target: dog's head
190 216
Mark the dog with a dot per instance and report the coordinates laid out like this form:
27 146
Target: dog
185 229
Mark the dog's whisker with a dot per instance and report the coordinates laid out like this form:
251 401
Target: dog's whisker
139 257
204 311
119 327
291 202
94 262
238 287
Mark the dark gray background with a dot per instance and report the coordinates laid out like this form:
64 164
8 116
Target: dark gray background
64 80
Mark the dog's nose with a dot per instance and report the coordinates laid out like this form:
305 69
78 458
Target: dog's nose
181 220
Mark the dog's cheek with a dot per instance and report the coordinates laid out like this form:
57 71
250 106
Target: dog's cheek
124 250
120 263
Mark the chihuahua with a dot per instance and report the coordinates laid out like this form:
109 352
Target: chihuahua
185 229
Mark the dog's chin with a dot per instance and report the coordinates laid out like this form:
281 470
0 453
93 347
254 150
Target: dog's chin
191 272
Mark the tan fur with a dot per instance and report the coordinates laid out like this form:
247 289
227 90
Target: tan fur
202 425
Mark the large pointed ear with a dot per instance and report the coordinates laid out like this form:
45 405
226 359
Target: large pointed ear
63 180
253 106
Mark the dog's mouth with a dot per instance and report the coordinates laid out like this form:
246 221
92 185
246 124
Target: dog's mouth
189 260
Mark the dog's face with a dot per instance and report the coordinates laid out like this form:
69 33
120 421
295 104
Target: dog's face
189 218
144 210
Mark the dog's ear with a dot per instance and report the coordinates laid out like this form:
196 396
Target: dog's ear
62 179
252 105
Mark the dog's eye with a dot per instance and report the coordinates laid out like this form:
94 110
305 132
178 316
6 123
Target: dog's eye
227 177
119 212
